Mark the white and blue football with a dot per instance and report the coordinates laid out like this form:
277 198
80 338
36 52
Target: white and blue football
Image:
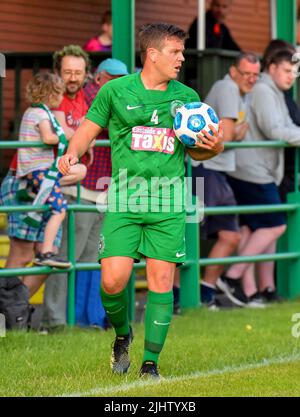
191 119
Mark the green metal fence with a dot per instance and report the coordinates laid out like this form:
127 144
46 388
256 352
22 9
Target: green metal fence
288 277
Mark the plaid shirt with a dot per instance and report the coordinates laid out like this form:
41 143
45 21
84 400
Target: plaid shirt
101 166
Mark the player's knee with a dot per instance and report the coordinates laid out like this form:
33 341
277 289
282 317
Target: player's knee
112 287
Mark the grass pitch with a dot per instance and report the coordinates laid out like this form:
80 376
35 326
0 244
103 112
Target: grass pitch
241 352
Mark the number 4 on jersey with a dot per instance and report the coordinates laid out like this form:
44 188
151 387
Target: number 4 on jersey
154 117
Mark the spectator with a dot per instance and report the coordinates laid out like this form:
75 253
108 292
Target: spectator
72 64
44 91
217 34
230 99
102 42
28 168
259 172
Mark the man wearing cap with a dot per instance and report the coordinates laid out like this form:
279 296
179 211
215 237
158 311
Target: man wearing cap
92 191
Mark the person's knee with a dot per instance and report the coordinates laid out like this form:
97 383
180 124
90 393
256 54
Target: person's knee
161 282
113 286
228 238
21 253
279 230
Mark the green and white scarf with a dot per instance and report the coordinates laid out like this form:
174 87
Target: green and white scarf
34 218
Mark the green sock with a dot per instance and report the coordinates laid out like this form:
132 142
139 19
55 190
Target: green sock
158 316
116 307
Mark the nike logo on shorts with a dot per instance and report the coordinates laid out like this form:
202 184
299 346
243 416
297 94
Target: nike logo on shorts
133 107
160 324
179 255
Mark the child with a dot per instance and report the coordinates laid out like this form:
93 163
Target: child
37 166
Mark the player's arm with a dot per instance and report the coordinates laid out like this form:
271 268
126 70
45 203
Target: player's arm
61 118
211 145
78 145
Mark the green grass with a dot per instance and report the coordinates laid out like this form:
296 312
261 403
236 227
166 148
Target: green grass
206 354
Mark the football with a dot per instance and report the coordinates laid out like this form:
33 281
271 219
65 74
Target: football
190 119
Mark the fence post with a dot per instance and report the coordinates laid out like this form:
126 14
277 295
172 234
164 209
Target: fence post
189 277
72 273
292 275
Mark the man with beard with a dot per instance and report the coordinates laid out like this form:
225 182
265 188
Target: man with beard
72 64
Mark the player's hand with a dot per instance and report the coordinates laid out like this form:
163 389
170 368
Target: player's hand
65 162
212 142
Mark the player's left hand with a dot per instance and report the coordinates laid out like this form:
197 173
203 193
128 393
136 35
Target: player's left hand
212 142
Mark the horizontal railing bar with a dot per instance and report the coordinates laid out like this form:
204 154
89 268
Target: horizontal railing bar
46 270
264 208
249 259
15 144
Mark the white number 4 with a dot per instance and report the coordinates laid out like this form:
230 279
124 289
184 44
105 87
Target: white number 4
154 117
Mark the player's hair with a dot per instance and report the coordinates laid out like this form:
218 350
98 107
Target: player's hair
248 56
42 85
154 34
273 47
285 55
70 50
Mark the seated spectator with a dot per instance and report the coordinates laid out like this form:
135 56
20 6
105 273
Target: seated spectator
103 41
230 99
217 34
259 172
36 167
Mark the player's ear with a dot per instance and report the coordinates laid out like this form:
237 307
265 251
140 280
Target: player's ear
152 53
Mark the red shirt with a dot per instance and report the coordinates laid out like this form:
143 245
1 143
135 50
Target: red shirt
74 109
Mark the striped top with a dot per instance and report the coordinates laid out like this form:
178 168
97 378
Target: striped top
33 159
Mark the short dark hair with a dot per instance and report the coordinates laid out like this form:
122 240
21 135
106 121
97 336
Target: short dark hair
281 56
248 56
153 35
70 50
273 47
106 17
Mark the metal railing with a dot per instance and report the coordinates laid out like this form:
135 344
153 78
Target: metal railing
190 271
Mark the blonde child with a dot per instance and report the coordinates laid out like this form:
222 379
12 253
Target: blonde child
37 166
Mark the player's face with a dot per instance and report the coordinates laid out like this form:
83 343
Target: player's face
169 59
73 73
245 75
283 74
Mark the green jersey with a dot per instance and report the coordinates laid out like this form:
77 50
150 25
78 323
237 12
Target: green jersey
143 144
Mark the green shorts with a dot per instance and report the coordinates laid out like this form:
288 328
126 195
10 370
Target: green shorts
136 235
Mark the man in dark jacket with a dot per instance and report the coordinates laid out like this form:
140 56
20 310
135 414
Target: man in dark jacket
217 33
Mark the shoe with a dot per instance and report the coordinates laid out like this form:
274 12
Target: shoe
256 301
270 295
44 331
51 259
213 305
149 369
233 290
176 309
120 361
